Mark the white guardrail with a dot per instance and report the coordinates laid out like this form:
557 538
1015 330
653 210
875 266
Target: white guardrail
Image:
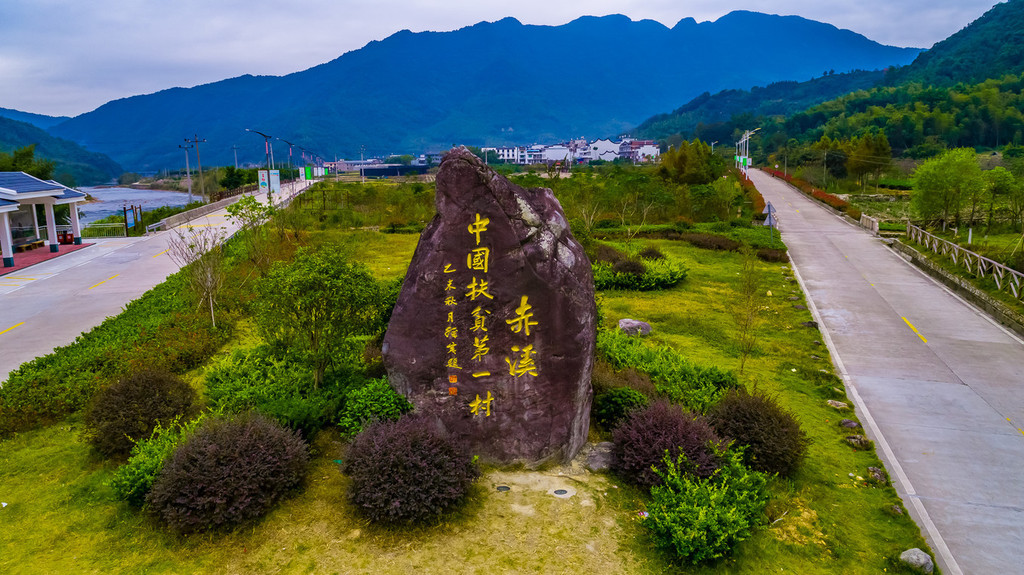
1004 276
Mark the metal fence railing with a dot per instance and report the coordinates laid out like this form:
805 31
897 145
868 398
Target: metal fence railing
103 231
1004 277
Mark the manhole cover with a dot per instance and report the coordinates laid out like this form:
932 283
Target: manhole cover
561 492
504 488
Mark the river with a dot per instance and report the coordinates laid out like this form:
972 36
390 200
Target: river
112 200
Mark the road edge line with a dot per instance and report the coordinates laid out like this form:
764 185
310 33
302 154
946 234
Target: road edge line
950 564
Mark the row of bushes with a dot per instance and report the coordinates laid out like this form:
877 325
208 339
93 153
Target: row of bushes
220 469
707 476
675 377
822 196
161 330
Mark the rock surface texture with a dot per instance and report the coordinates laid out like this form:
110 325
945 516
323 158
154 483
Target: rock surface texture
493 332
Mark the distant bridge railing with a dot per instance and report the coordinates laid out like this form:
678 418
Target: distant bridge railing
1005 277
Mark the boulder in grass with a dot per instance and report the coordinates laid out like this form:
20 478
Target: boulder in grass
492 337
634 327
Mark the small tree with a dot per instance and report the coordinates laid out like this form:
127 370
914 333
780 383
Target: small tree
250 215
315 303
942 184
201 256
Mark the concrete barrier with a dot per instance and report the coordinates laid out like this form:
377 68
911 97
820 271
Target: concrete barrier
183 217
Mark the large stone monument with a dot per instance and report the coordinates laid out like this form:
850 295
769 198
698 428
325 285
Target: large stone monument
493 332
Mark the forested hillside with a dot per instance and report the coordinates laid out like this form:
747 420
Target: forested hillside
989 47
74 165
703 116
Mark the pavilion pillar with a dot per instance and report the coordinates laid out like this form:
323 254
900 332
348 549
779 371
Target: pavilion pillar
76 227
6 241
51 228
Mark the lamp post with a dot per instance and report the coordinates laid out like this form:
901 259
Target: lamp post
713 146
266 141
188 171
289 155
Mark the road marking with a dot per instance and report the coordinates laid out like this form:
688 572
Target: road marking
106 280
1014 425
915 330
12 327
162 253
17 278
876 433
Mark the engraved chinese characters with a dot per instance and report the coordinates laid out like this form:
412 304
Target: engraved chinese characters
493 333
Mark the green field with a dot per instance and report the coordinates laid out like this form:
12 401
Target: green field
827 519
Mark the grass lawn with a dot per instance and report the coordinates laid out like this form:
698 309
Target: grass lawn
61 516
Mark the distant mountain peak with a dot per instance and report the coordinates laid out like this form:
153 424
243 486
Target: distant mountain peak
592 77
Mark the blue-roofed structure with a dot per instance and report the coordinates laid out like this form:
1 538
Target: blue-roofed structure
20 193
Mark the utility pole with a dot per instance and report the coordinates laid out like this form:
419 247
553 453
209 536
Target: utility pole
196 141
362 150
235 148
188 172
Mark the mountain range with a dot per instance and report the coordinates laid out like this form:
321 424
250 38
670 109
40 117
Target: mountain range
988 48
492 83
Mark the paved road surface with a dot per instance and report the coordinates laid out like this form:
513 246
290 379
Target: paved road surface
49 304
938 384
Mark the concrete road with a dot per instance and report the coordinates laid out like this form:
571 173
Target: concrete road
51 303
938 385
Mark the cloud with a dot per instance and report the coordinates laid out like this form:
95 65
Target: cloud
65 57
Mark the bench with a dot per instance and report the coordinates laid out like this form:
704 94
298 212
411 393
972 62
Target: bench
27 244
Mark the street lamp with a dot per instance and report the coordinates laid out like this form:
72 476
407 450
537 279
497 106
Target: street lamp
269 150
289 155
713 146
188 171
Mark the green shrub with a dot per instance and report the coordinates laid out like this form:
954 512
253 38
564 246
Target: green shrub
128 410
133 480
279 387
659 274
611 406
406 471
675 377
375 401
160 330
772 436
702 519
645 435
228 471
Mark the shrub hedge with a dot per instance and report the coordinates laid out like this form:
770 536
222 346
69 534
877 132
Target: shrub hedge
406 471
674 376
657 274
280 387
161 330
228 471
646 435
612 406
772 436
129 409
133 480
375 401
700 519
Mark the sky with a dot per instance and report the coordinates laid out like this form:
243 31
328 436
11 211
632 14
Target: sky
67 57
